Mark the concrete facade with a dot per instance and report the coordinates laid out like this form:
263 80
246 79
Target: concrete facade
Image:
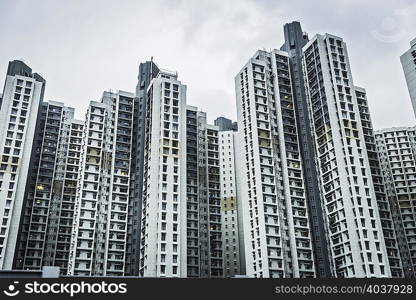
277 233
163 245
98 241
397 156
21 100
353 225
229 204
408 60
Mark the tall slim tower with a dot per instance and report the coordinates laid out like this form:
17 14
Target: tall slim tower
397 154
408 60
384 205
46 224
277 235
70 188
19 107
163 249
229 204
204 246
295 39
215 249
147 71
98 241
356 240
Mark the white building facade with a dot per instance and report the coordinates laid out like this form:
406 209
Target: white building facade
21 99
98 241
356 240
384 205
277 235
229 203
163 249
397 154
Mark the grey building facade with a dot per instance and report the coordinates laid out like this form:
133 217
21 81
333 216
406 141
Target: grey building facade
408 60
397 156
225 124
46 223
295 39
147 71
204 240
385 206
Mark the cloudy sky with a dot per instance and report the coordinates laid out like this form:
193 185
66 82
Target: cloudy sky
85 47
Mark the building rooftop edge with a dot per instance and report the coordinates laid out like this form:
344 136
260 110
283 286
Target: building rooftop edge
394 128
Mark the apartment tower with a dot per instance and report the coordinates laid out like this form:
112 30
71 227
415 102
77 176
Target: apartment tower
408 60
384 205
229 204
295 39
163 248
355 235
46 222
397 155
19 112
204 239
98 241
147 71
277 234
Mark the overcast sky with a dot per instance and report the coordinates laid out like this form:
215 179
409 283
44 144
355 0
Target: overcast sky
85 47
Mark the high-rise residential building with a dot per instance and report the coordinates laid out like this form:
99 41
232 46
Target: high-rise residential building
98 241
408 60
46 223
229 204
397 155
384 205
163 244
70 187
295 39
196 195
147 71
277 234
215 249
225 124
355 235
204 240
19 107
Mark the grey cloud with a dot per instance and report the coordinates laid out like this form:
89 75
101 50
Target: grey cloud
85 47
